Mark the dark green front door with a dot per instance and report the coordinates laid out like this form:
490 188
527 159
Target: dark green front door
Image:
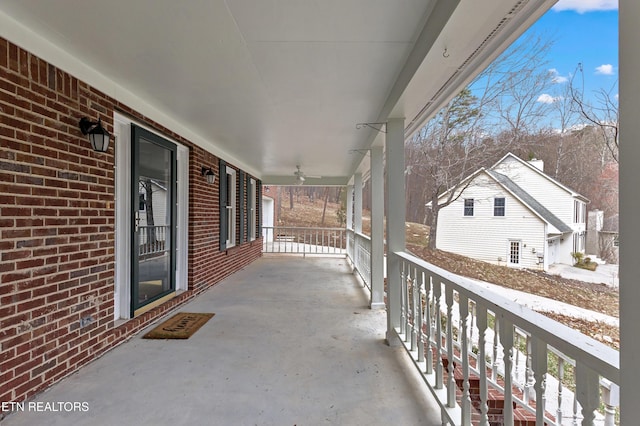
153 218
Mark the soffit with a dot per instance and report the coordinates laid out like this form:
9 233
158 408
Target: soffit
266 84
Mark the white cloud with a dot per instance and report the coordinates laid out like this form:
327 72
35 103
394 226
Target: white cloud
582 6
545 98
605 69
556 77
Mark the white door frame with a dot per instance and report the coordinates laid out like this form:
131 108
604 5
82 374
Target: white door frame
122 284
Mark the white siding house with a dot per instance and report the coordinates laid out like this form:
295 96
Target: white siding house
513 214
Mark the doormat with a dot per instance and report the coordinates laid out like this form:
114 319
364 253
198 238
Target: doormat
180 326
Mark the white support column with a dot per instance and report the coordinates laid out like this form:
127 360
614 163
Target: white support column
395 204
349 218
629 106
357 203
377 228
350 207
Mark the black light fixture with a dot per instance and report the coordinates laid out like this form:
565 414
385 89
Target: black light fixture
208 172
97 135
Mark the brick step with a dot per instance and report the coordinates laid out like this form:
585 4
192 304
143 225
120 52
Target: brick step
495 399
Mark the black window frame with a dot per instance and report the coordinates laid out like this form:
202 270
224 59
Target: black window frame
499 210
468 207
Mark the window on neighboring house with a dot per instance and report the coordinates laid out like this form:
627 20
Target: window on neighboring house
578 242
468 206
252 210
579 212
498 206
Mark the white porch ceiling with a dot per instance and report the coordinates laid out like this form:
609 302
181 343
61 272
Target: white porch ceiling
270 84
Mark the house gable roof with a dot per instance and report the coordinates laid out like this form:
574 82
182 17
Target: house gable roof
462 184
529 201
541 173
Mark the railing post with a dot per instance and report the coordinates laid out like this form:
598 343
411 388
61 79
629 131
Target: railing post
481 321
451 384
429 306
539 365
587 392
611 400
421 314
395 203
437 296
463 332
506 339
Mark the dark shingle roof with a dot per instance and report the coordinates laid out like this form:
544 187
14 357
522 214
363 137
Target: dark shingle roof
531 202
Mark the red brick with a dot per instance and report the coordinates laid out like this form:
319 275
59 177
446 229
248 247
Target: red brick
15 211
16 233
15 276
32 304
15 255
31 263
12 384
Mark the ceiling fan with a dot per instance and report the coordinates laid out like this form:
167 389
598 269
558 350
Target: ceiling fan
301 176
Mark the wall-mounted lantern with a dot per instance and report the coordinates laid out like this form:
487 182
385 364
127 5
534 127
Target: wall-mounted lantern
208 173
97 135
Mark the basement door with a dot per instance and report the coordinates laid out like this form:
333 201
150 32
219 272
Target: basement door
514 254
153 219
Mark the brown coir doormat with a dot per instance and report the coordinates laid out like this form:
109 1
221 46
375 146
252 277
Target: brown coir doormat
180 326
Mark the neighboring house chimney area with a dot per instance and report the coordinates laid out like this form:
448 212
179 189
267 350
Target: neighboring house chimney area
602 236
538 164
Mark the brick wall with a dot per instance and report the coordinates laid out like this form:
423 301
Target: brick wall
57 227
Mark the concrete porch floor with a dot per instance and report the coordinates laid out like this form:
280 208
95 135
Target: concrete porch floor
292 343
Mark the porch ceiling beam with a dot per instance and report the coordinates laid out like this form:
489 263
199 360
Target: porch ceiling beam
291 181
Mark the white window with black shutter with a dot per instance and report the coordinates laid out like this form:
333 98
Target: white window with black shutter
242 195
227 206
251 207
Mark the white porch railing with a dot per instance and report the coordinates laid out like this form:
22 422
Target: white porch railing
359 253
479 352
303 240
152 239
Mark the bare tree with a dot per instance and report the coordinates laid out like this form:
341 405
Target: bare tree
291 189
510 87
446 150
498 112
324 206
602 114
146 186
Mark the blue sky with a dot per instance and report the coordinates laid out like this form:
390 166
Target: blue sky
586 32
